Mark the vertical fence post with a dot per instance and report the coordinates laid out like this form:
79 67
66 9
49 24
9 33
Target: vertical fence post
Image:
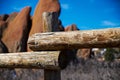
50 24
52 74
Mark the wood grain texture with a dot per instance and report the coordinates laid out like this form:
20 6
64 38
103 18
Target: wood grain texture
75 39
52 74
42 60
50 24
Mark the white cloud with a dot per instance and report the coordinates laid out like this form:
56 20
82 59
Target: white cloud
65 6
17 8
109 23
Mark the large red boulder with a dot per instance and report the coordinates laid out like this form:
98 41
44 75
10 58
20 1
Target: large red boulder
43 6
16 34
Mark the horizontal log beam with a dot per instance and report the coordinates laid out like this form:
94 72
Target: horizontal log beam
42 60
75 39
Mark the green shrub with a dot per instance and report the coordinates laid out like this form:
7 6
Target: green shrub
109 55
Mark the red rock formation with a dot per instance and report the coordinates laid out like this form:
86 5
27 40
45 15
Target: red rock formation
43 6
72 27
16 34
4 17
84 53
3 25
60 27
1 18
3 48
11 17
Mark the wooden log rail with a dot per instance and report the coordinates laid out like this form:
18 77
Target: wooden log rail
75 39
58 41
41 60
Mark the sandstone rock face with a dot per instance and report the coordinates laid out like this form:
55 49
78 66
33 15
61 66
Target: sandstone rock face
3 25
1 18
43 6
4 17
11 17
3 48
72 27
60 26
16 34
84 53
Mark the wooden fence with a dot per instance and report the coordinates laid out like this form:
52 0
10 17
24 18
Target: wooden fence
47 47
49 60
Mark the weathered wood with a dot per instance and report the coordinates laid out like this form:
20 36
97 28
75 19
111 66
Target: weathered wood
50 24
52 74
42 60
75 39
50 21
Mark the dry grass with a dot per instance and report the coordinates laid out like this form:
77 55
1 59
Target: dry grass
83 70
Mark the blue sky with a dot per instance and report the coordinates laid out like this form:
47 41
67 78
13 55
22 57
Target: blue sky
86 14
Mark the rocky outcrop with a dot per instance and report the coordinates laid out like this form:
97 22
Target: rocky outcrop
43 6
4 17
11 17
60 26
72 27
52 6
3 26
3 48
16 34
84 53
1 18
